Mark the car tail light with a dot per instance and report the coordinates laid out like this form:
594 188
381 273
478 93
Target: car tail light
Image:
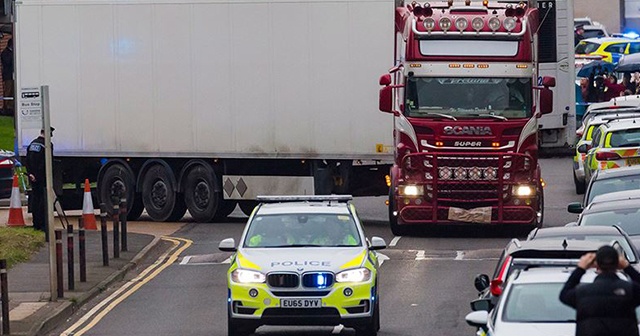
495 287
606 156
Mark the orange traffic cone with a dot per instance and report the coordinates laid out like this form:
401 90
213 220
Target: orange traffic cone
16 217
88 216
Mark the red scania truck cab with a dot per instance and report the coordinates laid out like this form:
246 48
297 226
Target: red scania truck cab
466 100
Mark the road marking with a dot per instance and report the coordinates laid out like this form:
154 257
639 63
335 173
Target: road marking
337 329
420 255
382 258
394 241
129 288
459 255
185 260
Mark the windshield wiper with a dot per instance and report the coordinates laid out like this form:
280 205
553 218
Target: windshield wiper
489 115
432 114
296 245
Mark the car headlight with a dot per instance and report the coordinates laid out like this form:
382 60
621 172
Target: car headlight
354 275
524 191
411 190
247 276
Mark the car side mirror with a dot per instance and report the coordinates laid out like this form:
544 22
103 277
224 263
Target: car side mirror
481 282
377 243
583 149
228 245
483 304
575 207
478 319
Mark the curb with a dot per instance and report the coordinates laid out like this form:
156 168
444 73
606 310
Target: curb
68 308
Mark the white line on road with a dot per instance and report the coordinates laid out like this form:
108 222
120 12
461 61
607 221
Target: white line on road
382 258
459 255
185 260
394 241
420 255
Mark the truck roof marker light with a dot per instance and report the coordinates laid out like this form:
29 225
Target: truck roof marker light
494 24
429 24
522 66
387 179
439 143
509 24
483 66
468 66
462 24
454 65
485 3
477 24
495 144
521 9
415 65
445 23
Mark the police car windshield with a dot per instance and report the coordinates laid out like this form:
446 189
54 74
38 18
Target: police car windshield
302 230
468 97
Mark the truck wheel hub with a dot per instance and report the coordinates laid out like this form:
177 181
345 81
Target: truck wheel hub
201 195
159 194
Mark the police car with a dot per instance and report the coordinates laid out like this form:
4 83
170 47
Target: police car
615 144
303 260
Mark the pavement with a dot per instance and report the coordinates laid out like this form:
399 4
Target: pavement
32 312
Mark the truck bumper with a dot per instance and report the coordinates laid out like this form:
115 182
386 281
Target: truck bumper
445 215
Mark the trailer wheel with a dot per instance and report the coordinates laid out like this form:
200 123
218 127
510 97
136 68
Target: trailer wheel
199 194
247 206
136 209
117 181
158 193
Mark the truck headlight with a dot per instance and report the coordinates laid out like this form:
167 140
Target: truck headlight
524 191
411 190
247 276
354 275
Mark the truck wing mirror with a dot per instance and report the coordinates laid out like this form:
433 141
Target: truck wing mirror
549 81
386 99
546 100
385 79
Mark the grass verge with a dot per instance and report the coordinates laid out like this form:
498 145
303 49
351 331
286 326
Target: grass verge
7 133
17 244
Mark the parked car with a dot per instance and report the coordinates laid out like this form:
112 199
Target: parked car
531 305
610 48
595 30
620 208
615 144
584 144
622 104
612 180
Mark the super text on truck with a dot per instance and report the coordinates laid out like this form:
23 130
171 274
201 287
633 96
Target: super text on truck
466 104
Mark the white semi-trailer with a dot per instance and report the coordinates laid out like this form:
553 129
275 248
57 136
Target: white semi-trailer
202 105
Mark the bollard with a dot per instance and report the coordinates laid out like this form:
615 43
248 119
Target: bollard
70 265
4 292
123 224
59 275
103 234
83 251
116 230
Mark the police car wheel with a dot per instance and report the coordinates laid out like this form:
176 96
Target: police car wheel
372 328
580 187
235 328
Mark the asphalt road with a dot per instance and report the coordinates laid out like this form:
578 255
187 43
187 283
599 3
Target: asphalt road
426 284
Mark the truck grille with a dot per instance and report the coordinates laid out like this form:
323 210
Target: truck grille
283 280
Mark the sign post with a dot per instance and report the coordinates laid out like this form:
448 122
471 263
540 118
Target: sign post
50 196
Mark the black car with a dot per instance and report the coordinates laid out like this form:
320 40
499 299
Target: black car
612 180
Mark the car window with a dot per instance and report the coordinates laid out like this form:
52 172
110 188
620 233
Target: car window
627 219
634 47
589 136
596 137
282 230
593 33
625 138
586 47
536 302
617 48
605 186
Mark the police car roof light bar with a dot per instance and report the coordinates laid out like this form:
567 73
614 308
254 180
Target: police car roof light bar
305 198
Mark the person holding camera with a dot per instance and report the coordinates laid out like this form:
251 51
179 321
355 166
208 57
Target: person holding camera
607 306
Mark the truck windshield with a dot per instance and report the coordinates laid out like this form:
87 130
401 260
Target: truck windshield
468 97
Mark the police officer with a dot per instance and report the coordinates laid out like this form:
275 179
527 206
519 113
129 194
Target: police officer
607 306
36 169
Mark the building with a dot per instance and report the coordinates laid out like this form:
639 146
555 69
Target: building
611 13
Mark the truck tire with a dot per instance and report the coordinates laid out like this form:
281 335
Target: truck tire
136 208
396 229
179 209
247 207
117 180
199 194
580 186
158 193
